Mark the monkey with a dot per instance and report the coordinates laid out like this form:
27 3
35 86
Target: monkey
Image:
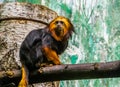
44 46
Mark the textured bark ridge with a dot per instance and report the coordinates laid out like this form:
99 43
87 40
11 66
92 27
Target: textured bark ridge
16 21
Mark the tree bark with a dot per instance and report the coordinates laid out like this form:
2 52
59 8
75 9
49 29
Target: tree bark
66 72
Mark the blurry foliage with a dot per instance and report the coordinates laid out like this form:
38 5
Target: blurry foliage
97 27
67 10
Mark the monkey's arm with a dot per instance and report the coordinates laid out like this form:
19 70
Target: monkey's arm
51 55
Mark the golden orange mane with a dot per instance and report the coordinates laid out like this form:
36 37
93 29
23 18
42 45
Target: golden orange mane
66 28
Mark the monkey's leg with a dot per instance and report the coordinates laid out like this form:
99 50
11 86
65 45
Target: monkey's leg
51 55
24 80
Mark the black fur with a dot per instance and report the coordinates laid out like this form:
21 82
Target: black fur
31 49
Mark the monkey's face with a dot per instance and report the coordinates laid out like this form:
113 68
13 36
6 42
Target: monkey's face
60 27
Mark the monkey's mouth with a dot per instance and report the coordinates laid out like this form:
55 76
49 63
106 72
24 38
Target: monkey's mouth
59 31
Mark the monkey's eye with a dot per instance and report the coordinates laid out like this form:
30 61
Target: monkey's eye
56 22
61 22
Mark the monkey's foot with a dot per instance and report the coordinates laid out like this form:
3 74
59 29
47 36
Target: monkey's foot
46 65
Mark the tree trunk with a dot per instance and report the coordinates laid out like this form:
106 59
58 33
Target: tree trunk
16 21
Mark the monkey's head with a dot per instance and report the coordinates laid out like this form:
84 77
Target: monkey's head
61 28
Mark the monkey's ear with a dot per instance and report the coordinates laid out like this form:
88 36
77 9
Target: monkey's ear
71 29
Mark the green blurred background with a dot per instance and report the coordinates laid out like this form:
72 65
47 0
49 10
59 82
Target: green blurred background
97 27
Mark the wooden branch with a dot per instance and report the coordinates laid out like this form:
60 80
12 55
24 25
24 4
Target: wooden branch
66 72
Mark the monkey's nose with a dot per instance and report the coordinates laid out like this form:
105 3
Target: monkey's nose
59 29
58 25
